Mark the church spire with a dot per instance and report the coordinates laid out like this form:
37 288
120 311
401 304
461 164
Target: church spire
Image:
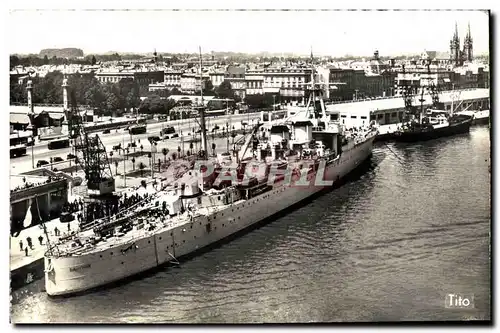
469 36
456 31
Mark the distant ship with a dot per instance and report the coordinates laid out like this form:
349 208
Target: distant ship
433 123
279 164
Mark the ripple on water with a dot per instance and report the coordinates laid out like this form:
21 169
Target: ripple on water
386 246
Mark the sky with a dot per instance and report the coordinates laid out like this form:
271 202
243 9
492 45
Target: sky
334 33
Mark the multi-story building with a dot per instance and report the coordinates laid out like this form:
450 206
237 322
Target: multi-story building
471 76
416 77
254 83
191 83
340 92
143 78
236 76
289 83
216 77
172 78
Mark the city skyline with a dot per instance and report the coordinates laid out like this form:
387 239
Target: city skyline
335 33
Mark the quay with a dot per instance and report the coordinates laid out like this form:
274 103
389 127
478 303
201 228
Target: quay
25 269
388 111
49 190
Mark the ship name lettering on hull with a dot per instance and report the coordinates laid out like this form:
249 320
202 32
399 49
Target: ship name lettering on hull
78 268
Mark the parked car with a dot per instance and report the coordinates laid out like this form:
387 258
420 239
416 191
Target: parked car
66 217
216 128
154 138
77 181
175 135
70 156
106 131
41 163
168 130
58 159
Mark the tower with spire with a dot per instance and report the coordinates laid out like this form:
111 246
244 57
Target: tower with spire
467 53
455 56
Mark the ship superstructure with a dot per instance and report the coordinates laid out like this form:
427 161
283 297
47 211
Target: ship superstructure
425 124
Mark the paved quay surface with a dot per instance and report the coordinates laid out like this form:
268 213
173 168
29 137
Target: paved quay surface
18 257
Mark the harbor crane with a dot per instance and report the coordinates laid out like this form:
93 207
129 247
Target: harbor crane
90 152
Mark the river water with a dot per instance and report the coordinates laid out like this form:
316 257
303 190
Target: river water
387 246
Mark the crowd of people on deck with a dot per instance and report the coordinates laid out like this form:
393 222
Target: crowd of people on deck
73 207
98 210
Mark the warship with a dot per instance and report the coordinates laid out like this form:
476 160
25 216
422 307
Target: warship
278 165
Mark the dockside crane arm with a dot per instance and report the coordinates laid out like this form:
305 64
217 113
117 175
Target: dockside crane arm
90 152
244 148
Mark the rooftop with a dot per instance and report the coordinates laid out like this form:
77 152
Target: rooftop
19 182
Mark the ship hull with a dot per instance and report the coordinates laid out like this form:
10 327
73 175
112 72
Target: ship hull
453 129
76 274
481 121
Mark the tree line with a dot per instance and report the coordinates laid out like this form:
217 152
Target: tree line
107 98
91 59
104 98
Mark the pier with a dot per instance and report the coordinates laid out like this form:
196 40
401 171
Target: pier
389 110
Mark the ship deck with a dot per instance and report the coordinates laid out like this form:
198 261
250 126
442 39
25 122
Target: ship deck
84 242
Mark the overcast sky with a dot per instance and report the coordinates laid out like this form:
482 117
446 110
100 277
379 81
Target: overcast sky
335 33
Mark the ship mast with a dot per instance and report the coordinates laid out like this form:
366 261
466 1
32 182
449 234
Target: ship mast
433 88
313 99
421 100
204 149
407 97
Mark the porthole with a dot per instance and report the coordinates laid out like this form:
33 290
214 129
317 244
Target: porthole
171 234
100 256
184 241
160 238
149 242
191 227
111 253
123 262
223 224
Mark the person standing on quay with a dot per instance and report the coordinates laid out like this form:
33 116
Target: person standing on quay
28 239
